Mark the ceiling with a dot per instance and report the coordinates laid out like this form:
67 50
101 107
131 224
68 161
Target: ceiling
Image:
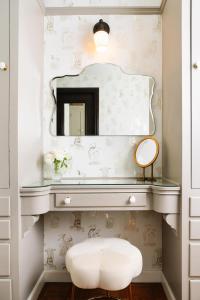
109 7
99 3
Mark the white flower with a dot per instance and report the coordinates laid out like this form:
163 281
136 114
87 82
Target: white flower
49 158
57 159
59 155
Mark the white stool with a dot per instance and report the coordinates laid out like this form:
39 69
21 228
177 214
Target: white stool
106 263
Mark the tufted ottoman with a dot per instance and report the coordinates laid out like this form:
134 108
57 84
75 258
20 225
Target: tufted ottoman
106 263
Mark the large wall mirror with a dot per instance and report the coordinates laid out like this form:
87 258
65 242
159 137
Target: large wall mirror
102 100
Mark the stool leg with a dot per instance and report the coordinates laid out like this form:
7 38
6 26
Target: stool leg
73 292
130 293
107 294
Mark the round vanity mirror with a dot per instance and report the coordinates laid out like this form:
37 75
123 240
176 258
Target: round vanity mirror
146 153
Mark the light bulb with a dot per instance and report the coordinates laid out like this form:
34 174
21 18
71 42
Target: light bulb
101 39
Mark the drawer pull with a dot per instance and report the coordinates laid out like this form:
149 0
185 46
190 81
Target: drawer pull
67 201
132 200
3 66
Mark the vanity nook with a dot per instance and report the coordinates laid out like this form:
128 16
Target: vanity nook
99 146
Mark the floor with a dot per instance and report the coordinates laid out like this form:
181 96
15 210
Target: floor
141 291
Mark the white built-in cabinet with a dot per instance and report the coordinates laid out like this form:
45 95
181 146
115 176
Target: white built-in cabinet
4 96
195 94
194 202
5 211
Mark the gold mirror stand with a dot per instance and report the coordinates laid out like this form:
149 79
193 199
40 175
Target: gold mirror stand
143 178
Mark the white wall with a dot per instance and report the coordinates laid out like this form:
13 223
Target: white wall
172 109
172 131
32 258
31 36
135 45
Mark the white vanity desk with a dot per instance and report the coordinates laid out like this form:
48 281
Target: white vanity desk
99 195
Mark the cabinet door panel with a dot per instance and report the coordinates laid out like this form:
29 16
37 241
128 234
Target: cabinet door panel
194 289
4 206
4 260
195 229
4 94
195 207
5 288
4 229
194 259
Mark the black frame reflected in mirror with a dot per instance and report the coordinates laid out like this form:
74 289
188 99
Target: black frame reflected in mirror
88 96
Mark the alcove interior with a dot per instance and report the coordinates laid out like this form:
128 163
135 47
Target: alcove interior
55 40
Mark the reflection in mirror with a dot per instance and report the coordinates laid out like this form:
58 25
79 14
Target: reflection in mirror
102 100
74 119
77 111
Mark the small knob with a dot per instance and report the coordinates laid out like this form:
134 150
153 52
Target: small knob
3 66
132 200
195 66
67 201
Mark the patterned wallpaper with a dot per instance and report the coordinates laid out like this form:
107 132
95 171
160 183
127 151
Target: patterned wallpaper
135 45
62 230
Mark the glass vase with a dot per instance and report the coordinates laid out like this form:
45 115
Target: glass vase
58 174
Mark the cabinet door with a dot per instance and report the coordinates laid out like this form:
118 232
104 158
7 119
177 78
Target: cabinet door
4 94
195 94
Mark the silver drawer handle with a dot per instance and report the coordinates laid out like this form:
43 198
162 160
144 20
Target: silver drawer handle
132 200
3 66
67 201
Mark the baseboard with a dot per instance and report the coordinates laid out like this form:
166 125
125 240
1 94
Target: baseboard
149 276
37 288
56 276
63 276
168 291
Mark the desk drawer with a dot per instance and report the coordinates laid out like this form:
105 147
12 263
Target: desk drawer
101 200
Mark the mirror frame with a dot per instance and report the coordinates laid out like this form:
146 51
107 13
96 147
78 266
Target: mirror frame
82 71
155 156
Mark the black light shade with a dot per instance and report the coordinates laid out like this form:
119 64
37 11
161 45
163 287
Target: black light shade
101 26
